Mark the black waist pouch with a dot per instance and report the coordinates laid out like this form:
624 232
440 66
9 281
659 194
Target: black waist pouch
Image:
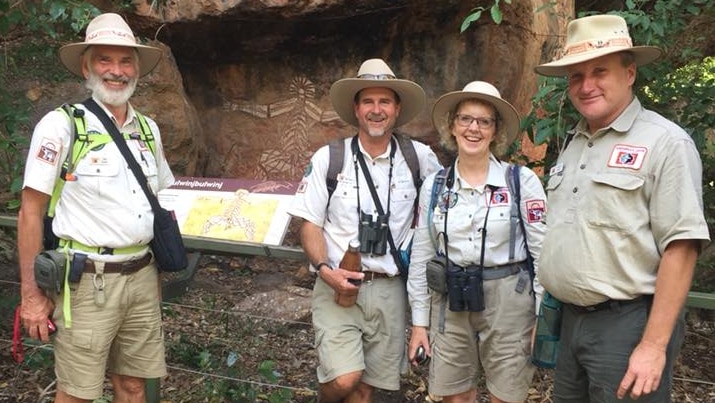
465 288
168 245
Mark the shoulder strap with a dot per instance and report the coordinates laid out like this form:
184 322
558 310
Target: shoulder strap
514 183
336 150
146 134
437 188
408 151
79 140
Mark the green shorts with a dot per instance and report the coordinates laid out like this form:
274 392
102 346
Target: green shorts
497 341
124 336
369 336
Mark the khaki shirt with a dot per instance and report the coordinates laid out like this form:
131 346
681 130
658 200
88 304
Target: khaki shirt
617 198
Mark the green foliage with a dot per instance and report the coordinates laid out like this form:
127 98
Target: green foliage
27 28
476 13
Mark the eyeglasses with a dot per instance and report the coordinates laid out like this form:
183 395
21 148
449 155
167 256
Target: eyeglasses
466 121
376 76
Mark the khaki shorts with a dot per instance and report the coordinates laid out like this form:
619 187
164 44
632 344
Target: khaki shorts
123 337
497 341
369 336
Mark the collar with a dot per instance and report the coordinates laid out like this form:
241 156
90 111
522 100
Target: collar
496 177
131 114
621 125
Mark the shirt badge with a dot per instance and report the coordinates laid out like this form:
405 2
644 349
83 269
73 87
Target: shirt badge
447 199
48 152
302 186
308 170
535 210
625 156
500 197
556 169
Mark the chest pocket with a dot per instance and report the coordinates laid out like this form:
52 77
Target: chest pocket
99 163
403 193
554 182
616 201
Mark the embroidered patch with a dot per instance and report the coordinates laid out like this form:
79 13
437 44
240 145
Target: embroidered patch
625 156
49 152
302 186
500 197
308 170
447 197
556 169
535 210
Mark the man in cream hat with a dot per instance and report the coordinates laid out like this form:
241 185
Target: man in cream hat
107 310
361 346
625 224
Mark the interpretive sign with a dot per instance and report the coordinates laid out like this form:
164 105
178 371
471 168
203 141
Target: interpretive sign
234 209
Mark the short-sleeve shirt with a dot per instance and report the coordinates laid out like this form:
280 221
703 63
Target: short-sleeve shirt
104 206
617 198
340 222
466 210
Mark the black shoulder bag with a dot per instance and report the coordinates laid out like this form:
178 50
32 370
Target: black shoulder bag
167 245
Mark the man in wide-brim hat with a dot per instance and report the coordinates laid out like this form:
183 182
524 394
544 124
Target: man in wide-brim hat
360 329
625 224
107 313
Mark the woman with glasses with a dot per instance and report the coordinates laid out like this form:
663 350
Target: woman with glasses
470 286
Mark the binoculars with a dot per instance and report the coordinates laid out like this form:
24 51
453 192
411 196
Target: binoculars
465 289
373 233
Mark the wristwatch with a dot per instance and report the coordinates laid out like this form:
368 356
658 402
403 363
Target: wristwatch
320 266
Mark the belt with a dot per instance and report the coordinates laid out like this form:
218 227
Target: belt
128 267
372 275
609 304
497 272
101 250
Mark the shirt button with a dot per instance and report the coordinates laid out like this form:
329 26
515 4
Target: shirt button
575 190
583 166
590 144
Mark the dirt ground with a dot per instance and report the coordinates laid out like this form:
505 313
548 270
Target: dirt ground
218 351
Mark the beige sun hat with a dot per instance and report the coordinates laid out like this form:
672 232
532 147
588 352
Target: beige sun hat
481 90
109 29
598 35
376 73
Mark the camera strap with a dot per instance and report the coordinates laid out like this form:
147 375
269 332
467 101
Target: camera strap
449 184
358 158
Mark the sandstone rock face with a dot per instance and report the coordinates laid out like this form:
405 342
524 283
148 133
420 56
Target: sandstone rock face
257 73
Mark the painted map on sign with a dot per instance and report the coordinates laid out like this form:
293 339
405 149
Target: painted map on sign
233 209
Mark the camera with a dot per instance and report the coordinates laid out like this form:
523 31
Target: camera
373 233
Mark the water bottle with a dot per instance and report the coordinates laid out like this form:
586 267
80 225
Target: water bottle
351 261
548 331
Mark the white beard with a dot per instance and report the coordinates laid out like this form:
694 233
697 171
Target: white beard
110 97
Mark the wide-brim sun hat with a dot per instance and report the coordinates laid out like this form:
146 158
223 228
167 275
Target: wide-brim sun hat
591 37
483 91
376 73
109 29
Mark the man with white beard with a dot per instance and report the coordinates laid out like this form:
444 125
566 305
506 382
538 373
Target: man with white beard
106 308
